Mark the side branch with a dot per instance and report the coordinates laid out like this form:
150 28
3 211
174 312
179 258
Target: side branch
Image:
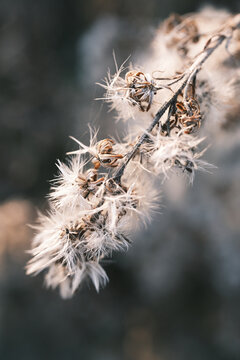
210 47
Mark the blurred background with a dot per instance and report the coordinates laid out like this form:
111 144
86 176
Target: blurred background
175 295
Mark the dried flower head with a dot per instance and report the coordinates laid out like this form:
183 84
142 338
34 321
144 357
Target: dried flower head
74 185
101 153
140 89
104 154
137 89
59 251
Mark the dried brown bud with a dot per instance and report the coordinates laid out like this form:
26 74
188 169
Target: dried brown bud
105 155
89 181
141 89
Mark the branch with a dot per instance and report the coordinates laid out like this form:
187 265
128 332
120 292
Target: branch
188 76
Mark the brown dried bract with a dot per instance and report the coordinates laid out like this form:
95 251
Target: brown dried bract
141 89
89 181
184 113
74 230
189 118
105 155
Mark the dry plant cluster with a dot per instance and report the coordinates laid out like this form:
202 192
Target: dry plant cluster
107 189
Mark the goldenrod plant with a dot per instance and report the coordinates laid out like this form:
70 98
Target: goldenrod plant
108 189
